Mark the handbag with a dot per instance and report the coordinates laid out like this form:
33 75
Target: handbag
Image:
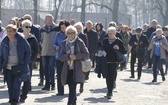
86 65
120 57
19 69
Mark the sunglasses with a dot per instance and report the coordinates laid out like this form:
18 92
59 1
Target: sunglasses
27 26
70 33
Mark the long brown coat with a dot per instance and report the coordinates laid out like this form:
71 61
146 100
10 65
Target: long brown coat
81 53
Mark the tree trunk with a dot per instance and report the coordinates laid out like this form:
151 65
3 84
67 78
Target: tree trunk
35 11
115 10
83 10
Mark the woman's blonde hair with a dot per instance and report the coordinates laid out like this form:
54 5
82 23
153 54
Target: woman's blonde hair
14 27
26 21
79 24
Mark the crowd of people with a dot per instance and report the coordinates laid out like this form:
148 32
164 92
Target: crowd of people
60 47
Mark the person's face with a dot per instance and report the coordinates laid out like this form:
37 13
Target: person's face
48 20
123 29
63 28
98 27
158 33
89 26
154 24
10 32
26 28
139 33
79 29
111 34
12 22
72 22
71 35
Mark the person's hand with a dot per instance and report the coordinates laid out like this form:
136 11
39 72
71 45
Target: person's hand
135 43
38 55
57 48
72 57
1 73
141 43
116 47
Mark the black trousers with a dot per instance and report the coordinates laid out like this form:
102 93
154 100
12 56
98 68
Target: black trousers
72 88
133 60
112 69
60 88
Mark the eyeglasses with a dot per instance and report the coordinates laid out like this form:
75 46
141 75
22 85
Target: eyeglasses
70 33
27 26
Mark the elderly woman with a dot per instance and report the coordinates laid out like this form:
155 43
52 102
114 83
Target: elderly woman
158 47
26 27
109 45
81 35
73 51
14 51
60 37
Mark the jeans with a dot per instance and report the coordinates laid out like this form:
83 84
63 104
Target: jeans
13 84
48 66
27 84
166 62
41 70
133 60
112 69
72 88
157 62
59 71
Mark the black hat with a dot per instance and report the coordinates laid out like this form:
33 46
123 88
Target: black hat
138 29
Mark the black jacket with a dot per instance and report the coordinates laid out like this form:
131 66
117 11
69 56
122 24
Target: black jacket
92 40
142 44
34 30
34 47
84 38
150 31
102 35
111 53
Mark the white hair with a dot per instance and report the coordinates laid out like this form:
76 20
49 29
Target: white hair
89 22
111 29
49 15
26 21
71 28
79 24
159 30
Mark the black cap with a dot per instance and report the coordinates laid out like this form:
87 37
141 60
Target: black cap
138 29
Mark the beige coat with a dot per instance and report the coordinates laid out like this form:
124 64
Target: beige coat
163 48
81 54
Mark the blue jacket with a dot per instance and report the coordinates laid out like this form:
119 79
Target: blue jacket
23 49
59 38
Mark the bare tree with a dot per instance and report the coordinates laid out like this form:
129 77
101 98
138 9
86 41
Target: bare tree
162 6
0 8
83 10
35 2
57 4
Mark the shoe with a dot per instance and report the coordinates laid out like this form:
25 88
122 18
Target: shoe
138 78
40 83
53 88
22 100
81 90
59 94
30 88
14 103
154 80
45 88
108 96
163 78
131 77
86 78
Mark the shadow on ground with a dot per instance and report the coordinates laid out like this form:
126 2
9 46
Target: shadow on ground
152 83
52 98
98 100
130 80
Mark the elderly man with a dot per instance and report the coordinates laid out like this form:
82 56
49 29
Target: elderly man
48 32
92 42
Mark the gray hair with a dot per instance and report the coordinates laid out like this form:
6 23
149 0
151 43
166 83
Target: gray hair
89 22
